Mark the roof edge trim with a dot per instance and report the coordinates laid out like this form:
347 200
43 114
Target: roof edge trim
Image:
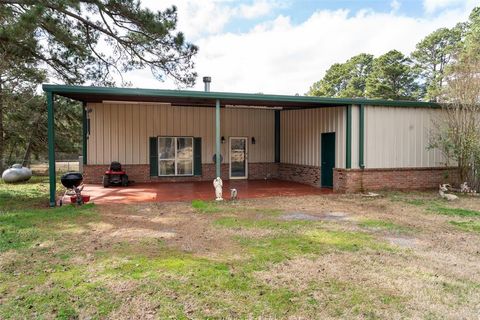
137 92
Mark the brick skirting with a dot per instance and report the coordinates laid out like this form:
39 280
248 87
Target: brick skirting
357 180
141 173
93 173
299 173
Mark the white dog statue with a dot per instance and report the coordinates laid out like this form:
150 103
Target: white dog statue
218 184
444 188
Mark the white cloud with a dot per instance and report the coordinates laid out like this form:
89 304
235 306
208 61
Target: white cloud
278 56
256 9
203 17
432 6
196 17
395 5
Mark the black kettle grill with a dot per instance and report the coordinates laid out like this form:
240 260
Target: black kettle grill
72 181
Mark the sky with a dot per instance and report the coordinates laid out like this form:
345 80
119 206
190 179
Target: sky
284 46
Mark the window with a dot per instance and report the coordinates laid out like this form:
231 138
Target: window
175 156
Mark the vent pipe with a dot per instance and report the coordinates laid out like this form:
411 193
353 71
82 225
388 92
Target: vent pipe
207 81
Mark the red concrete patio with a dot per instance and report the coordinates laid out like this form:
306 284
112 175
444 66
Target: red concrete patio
187 191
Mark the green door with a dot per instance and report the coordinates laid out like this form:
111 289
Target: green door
328 158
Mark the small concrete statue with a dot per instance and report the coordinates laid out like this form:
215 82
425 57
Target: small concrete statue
233 194
218 184
17 173
444 188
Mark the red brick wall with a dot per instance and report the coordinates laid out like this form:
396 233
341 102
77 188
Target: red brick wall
299 173
136 172
356 180
141 173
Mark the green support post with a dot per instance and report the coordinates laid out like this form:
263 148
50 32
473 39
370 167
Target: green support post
217 139
361 137
348 138
84 132
51 148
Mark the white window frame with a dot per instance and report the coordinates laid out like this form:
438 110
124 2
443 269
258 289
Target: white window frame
175 159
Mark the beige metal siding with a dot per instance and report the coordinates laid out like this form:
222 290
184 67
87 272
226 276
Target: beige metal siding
121 131
399 137
249 123
301 133
355 136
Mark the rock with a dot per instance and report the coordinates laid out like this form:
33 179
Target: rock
16 173
371 195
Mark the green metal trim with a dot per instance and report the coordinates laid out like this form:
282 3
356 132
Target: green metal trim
225 96
51 149
277 136
348 139
217 139
361 136
84 133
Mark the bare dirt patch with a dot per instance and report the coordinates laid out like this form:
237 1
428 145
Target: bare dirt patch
403 242
176 223
336 216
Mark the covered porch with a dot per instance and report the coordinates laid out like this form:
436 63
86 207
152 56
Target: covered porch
199 190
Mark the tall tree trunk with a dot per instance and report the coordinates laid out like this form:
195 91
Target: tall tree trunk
2 138
28 150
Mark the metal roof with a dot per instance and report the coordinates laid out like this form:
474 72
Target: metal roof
207 99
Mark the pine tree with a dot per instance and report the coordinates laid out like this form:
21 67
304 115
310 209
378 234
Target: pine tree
77 42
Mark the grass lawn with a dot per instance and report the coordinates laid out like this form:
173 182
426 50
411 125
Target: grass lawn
402 255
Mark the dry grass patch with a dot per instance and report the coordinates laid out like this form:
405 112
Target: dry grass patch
387 285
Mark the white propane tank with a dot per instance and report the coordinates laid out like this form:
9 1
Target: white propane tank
17 173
